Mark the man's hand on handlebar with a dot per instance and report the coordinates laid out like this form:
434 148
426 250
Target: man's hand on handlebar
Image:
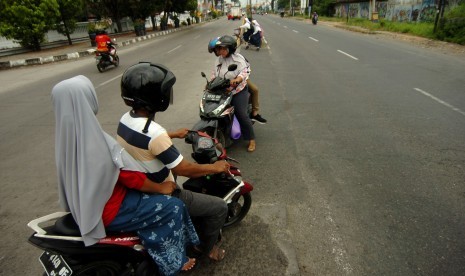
221 166
180 133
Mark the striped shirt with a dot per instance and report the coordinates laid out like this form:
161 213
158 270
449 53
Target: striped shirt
154 150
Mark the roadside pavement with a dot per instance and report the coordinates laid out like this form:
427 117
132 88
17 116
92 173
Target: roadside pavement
76 50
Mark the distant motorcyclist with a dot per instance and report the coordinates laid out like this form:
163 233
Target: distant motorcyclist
104 44
314 18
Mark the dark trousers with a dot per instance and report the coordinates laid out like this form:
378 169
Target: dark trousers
210 211
240 101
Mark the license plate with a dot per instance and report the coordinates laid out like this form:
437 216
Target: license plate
213 97
55 265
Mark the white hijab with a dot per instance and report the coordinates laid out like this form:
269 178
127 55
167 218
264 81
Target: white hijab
88 160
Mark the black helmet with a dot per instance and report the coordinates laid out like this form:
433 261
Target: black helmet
228 42
147 85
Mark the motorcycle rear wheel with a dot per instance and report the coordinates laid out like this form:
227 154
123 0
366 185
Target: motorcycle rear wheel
238 209
102 268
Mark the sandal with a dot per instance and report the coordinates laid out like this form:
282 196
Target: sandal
217 254
188 265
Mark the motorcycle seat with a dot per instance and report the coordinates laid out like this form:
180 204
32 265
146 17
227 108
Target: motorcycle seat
67 226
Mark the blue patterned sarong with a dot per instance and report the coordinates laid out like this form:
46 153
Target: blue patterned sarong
163 225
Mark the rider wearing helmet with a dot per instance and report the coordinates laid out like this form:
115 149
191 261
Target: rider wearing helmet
225 50
253 89
104 44
147 88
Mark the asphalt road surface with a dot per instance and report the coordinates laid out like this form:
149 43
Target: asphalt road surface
360 170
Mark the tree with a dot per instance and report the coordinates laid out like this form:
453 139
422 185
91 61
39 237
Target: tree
28 21
114 9
69 11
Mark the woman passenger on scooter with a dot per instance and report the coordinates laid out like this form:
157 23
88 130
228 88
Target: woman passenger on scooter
104 188
225 49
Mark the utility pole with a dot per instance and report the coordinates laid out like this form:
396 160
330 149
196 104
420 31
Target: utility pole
439 14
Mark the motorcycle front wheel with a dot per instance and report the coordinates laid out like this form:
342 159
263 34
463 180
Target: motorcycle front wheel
116 61
238 209
219 135
100 67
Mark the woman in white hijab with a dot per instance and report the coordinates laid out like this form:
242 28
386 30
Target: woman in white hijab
104 188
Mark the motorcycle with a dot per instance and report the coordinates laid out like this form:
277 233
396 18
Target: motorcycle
314 19
64 253
105 59
216 112
230 187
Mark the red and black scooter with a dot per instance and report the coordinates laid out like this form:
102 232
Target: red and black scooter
64 253
231 187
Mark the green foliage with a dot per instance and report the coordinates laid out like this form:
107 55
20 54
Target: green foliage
69 12
28 21
452 26
424 29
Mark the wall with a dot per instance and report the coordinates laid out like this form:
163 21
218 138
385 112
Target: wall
80 32
394 10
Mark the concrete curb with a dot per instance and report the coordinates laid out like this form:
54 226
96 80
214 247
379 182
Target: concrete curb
76 55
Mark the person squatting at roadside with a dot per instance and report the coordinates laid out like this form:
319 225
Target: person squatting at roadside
104 188
147 88
256 36
104 44
253 89
225 48
247 30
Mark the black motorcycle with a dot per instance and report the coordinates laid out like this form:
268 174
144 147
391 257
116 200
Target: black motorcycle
216 112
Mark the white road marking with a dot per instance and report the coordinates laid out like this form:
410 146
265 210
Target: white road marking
197 37
285 27
295 31
174 49
440 101
314 39
108 81
347 54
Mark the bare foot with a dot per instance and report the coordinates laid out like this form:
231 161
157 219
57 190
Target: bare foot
217 254
188 265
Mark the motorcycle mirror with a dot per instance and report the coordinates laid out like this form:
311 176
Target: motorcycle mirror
203 75
232 67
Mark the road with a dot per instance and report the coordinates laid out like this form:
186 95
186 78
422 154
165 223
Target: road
360 170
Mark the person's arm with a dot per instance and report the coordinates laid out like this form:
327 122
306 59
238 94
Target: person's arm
139 181
243 75
165 188
179 133
194 170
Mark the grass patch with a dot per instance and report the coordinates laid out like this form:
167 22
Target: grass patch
423 29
